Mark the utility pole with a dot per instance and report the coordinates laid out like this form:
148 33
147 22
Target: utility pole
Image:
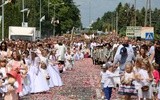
135 19
116 22
89 13
146 13
54 18
54 27
48 7
135 7
40 17
2 21
23 12
150 14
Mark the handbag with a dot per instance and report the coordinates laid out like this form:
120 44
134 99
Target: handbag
145 88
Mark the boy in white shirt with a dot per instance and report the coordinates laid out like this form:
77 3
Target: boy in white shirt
109 81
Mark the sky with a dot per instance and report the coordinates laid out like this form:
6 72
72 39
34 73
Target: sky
92 9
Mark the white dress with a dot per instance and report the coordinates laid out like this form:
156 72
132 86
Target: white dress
54 75
60 52
68 61
45 74
3 88
144 82
37 77
27 80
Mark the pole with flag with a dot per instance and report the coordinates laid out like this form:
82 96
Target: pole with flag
28 13
43 18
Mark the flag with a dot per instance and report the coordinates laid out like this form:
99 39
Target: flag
92 35
4 3
52 21
43 18
57 21
11 1
28 13
86 36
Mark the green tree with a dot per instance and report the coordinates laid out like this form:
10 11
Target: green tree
68 15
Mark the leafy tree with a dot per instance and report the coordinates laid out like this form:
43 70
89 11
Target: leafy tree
126 17
67 14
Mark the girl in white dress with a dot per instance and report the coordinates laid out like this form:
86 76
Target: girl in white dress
145 79
69 60
45 65
54 75
37 76
44 71
127 87
53 71
3 75
26 77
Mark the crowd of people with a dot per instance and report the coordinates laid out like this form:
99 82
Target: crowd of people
131 67
35 67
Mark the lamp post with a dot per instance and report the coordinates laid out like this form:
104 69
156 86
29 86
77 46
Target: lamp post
2 20
40 17
54 27
117 22
54 30
89 13
135 7
24 10
3 3
146 13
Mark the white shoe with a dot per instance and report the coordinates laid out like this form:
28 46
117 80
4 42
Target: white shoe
64 69
102 97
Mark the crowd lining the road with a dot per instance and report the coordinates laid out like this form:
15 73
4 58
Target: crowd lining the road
130 66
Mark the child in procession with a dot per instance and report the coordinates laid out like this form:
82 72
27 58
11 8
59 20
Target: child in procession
109 83
127 87
102 74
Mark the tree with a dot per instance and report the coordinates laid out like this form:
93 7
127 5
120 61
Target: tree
67 14
126 17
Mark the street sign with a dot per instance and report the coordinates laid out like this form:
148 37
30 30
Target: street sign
133 31
149 36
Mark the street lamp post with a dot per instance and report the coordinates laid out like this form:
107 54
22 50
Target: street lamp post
40 17
89 13
3 3
135 7
117 22
2 20
23 8
54 17
54 30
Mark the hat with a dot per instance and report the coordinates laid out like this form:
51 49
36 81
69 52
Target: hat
104 66
18 78
123 50
13 74
107 65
